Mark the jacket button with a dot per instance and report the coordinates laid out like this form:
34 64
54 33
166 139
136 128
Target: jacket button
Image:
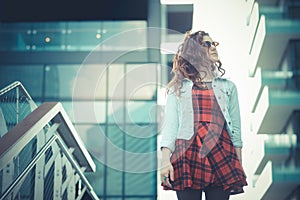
229 123
219 97
224 109
232 131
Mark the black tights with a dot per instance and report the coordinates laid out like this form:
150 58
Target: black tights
211 193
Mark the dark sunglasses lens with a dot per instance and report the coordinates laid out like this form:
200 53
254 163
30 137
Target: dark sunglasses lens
207 44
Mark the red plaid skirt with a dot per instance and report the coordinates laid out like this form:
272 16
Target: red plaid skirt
209 157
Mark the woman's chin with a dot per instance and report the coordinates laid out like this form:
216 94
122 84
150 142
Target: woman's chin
214 60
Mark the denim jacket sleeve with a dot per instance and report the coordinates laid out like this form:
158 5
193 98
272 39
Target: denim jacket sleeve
234 112
171 122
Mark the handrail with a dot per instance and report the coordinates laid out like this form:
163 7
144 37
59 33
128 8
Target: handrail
16 139
14 85
75 165
17 85
64 149
22 176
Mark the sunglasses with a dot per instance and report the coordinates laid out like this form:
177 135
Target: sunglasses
208 44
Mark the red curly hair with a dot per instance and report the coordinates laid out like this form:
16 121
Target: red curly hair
189 59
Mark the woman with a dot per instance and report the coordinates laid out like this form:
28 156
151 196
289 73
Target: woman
201 139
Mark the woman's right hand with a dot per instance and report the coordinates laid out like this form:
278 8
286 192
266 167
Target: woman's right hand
167 173
167 170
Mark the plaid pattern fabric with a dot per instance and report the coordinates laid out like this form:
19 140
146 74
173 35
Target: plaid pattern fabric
209 157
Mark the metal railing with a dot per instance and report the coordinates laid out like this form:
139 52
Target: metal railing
42 155
15 105
58 158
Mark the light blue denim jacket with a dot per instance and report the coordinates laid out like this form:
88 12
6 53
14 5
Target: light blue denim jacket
179 114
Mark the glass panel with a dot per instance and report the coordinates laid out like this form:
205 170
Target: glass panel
140 148
12 38
93 137
96 179
83 36
116 82
115 147
86 111
141 134
118 35
30 76
140 184
59 80
74 82
100 87
141 112
114 181
46 36
115 160
90 82
141 81
115 112
115 135
71 36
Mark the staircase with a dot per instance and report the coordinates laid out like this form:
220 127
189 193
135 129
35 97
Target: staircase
41 154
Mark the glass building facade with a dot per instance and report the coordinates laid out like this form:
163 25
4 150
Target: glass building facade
109 76
112 105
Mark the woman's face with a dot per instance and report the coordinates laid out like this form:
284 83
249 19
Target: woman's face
211 48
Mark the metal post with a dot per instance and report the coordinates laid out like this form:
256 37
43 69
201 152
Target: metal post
17 104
